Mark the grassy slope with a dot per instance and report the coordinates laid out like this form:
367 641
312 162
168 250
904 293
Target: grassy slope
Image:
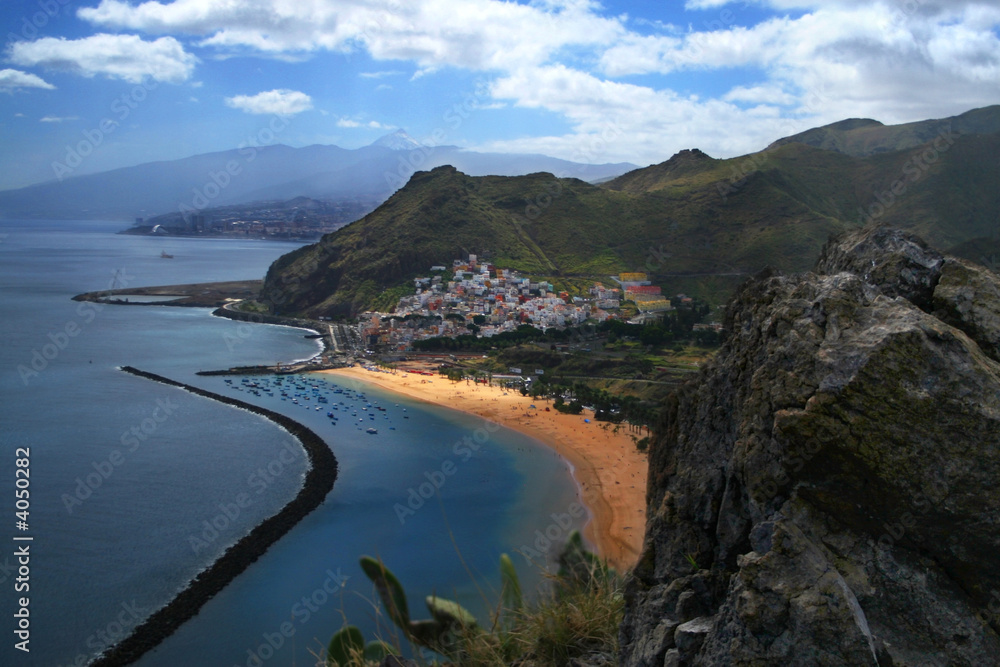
863 137
669 220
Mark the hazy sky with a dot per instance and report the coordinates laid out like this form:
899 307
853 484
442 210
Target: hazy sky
129 82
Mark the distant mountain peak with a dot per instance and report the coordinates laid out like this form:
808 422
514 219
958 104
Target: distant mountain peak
852 124
398 141
689 155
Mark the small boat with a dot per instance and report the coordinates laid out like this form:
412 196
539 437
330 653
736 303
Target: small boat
372 431
164 255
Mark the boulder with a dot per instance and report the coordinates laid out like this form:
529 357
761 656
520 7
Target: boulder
827 489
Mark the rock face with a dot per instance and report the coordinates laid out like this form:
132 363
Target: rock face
827 490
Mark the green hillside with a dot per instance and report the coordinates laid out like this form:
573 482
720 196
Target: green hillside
696 224
862 137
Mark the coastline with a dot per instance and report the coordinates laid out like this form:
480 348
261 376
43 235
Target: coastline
319 481
610 473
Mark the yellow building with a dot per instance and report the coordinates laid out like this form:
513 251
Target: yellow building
653 306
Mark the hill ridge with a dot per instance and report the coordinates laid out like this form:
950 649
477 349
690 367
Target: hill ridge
668 220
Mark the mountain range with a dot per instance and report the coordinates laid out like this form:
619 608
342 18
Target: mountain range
272 173
696 224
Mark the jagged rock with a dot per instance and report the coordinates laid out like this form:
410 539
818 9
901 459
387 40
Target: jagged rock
652 646
968 297
899 263
593 660
832 474
689 636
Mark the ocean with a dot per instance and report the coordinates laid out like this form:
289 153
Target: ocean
135 487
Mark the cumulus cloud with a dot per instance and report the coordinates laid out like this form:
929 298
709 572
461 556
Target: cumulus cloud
763 94
280 101
351 123
126 57
379 75
817 60
12 79
57 119
474 34
842 60
615 121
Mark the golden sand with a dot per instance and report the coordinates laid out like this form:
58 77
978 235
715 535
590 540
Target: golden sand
608 468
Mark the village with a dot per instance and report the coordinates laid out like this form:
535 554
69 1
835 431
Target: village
478 298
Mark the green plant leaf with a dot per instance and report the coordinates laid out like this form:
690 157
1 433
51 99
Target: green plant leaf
425 632
510 593
377 651
389 589
344 645
449 613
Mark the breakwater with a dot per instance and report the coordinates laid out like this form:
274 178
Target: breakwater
265 318
291 369
318 483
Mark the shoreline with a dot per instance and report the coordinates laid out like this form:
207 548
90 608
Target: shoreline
319 481
608 470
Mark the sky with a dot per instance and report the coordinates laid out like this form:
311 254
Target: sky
93 85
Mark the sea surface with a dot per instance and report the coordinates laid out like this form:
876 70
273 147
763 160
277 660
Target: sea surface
135 487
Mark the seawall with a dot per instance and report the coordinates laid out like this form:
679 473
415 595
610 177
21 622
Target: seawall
318 483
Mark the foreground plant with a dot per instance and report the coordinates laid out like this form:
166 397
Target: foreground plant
579 617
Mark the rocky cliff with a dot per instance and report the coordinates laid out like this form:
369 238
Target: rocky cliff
827 491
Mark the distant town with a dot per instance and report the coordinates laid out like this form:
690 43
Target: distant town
300 218
478 298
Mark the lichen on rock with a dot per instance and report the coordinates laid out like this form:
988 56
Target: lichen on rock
827 490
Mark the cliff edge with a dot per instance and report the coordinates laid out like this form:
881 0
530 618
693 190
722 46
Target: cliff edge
827 490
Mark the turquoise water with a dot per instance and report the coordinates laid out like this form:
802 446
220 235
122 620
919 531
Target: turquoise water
126 473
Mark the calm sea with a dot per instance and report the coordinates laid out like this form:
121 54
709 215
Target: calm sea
135 487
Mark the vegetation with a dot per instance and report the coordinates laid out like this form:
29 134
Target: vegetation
864 137
676 325
696 224
607 407
580 615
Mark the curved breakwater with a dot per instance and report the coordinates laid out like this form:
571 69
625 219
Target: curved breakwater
318 483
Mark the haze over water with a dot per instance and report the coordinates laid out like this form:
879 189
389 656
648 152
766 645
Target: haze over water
127 547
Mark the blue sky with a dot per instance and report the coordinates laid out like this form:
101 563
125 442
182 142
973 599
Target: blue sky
132 82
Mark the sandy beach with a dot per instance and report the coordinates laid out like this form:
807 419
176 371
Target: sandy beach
610 472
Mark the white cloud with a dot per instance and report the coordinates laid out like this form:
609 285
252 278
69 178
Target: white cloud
12 79
615 121
816 62
846 59
125 57
351 123
763 94
473 34
380 75
57 119
903 7
280 101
